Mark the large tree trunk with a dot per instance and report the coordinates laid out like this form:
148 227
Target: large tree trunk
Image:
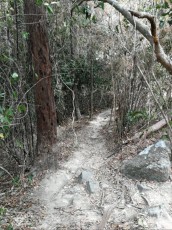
42 70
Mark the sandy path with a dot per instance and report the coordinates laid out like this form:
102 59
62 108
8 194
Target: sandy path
68 202
113 201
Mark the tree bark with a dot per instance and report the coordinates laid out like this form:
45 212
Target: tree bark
76 101
92 88
42 70
72 54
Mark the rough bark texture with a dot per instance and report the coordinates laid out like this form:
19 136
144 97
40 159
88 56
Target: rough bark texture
44 98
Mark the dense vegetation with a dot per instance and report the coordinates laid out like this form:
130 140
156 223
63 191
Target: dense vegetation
73 58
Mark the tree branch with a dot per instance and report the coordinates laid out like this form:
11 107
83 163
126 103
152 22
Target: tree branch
149 33
159 52
145 31
142 28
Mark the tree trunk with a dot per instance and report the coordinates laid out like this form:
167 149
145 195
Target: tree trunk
76 101
42 70
92 90
72 56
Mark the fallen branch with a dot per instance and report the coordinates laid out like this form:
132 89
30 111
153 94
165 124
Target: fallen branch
148 131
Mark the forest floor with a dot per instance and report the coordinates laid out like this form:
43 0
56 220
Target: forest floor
83 189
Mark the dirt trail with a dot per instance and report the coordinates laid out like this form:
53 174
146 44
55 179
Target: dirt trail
101 198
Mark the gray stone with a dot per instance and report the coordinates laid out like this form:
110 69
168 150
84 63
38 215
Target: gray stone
142 188
154 211
92 186
85 176
152 164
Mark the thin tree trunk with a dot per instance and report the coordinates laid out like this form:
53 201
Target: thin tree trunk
92 89
77 109
43 92
72 54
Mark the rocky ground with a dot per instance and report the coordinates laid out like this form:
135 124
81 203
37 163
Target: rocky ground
86 191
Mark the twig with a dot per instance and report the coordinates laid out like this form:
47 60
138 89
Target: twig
6 171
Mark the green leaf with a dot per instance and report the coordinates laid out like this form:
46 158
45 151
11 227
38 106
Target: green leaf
25 35
48 7
2 95
2 211
19 144
39 2
94 19
15 75
36 76
30 178
158 6
56 3
16 181
9 112
15 94
117 29
10 227
170 22
166 6
21 108
161 23
1 136
101 5
1 118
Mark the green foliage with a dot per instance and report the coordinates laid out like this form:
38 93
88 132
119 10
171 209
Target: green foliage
163 9
21 108
14 121
10 227
163 5
79 69
30 178
2 211
39 2
25 35
48 8
86 11
9 112
6 118
165 137
135 116
6 115
101 5
16 181
14 79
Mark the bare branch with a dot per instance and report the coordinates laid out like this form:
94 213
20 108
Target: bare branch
159 52
142 28
149 33
145 31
